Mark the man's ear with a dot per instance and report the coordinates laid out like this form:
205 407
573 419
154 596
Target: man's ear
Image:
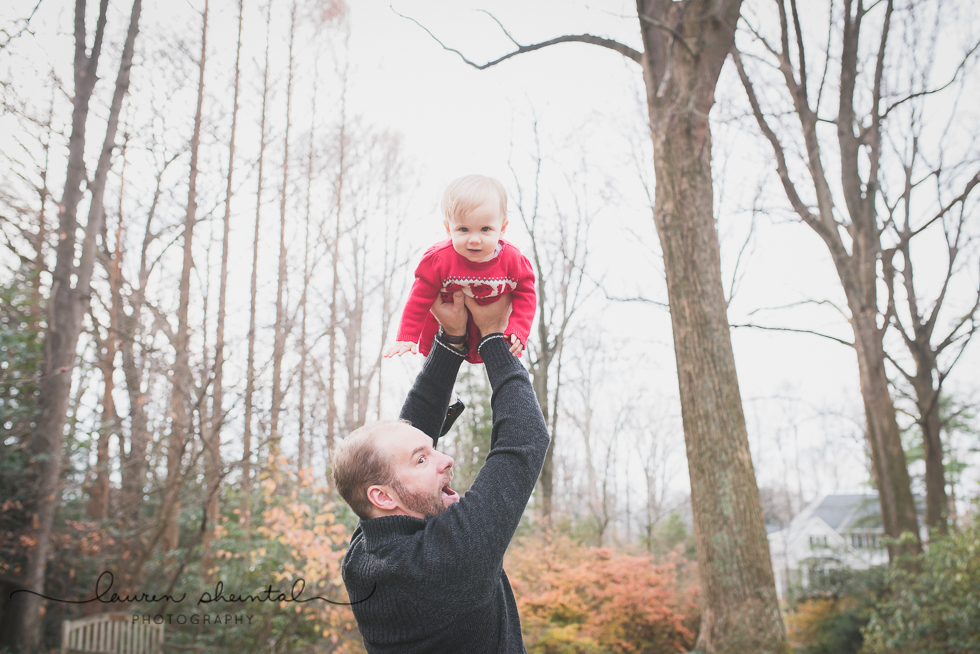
382 497
503 228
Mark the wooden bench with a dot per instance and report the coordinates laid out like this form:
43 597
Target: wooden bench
110 633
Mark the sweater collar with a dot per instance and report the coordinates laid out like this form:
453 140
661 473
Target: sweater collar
378 531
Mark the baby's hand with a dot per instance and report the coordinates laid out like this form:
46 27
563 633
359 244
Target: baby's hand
400 348
516 346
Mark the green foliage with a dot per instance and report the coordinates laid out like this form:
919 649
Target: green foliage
829 615
933 601
21 353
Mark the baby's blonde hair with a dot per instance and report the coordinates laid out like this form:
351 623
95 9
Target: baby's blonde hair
469 192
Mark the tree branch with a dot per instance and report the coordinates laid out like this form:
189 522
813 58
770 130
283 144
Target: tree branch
798 331
936 90
621 48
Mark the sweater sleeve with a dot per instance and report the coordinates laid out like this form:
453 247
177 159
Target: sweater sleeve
524 301
427 401
472 536
424 291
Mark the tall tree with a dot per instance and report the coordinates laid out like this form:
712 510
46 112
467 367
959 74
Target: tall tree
245 514
181 403
559 267
281 327
217 418
69 301
867 226
685 45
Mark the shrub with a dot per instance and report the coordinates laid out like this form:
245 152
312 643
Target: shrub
933 601
575 599
829 616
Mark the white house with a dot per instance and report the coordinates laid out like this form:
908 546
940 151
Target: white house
835 531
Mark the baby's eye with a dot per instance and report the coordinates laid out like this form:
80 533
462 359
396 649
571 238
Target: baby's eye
486 229
463 229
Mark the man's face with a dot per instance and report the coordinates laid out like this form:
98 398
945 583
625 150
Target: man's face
422 475
475 234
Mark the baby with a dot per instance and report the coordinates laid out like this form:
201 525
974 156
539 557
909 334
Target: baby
474 260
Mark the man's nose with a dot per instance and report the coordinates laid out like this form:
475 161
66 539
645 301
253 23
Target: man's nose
447 463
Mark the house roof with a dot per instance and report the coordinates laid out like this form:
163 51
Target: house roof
849 512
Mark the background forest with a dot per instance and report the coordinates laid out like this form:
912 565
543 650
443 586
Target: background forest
210 214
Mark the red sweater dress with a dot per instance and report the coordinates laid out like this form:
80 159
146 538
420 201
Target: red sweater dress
443 270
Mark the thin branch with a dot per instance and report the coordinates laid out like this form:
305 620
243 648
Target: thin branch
937 90
621 48
908 376
798 331
637 298
801 302
27 24
960 198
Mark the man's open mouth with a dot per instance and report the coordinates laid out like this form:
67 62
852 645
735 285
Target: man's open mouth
449 492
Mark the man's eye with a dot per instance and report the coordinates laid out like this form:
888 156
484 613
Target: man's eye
421 459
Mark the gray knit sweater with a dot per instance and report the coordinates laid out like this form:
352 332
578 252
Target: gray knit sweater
439 584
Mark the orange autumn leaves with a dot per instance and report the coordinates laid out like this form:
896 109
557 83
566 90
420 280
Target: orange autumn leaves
582 600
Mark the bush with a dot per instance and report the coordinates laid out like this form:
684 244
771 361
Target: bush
933 601
581 600
830 614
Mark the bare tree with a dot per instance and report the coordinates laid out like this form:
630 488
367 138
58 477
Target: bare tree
281 328
217 416
98 508
559 266
685 45
182 403
69 301
919 332
866 228
246 510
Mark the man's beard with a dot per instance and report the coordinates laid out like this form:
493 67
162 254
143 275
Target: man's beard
427 505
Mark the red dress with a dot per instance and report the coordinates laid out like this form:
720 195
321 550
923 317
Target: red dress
443 270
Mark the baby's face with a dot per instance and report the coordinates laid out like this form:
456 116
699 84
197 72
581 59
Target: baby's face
476 233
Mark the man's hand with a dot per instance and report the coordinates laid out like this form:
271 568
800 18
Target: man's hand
491 318
451 315
400 348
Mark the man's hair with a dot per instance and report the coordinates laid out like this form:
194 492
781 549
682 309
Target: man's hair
469 192
358 464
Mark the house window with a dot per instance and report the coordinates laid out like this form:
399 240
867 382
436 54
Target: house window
864 541
818 541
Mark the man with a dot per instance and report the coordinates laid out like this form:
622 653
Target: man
430 564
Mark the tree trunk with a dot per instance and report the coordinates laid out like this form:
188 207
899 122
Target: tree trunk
181 425
66 307
334 316
98 508
888 457
213 444
927 400
739 610
246 508
279 343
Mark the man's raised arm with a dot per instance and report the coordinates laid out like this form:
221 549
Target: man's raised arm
427 401
482 524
